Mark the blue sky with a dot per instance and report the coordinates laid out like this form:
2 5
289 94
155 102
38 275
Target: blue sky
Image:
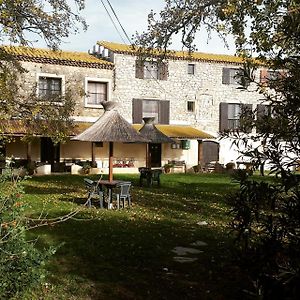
133 17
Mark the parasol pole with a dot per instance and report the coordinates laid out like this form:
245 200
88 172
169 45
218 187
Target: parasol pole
147 156
110 164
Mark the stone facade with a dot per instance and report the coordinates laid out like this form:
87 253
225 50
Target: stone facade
73 76
204 88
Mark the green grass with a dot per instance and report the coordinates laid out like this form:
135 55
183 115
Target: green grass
127 254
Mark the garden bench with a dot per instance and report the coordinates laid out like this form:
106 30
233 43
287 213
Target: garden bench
178 166
94 190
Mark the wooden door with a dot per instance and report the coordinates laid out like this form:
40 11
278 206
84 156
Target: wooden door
210 151
50 153
155 155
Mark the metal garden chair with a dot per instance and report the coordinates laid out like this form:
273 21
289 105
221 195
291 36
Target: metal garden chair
124 194
94 190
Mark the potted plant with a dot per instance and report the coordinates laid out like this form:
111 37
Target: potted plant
86 168
167 167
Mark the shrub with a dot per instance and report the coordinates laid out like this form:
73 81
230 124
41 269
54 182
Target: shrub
266 219
21 264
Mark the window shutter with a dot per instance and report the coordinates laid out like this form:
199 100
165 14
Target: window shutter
164 112
246 127
263 76
260 114
261 111
223 116
137 111
163 71
139 69
226 76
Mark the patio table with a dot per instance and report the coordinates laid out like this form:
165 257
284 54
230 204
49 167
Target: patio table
109 185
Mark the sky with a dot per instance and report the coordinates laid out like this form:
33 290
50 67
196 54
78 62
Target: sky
133 17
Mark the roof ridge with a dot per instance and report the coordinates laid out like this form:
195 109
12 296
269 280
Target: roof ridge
55 56
176 54
44 49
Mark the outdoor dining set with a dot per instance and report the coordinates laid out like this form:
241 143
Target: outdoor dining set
106 191
102 190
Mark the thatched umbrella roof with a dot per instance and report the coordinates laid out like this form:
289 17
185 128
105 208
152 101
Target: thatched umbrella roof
110 127
153 134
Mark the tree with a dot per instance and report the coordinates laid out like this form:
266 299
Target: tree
22 22
266 215
21 264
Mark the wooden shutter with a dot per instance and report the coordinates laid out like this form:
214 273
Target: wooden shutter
226 76
260 114
223 113
137 111
261 111
163 71
139 69
210 151
164 112
247 126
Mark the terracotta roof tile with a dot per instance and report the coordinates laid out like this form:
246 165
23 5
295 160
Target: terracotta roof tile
79 59
182 55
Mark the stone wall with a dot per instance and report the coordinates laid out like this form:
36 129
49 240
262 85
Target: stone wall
72 76
205 88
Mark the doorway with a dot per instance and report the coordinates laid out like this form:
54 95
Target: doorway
155 155
50 153
210 151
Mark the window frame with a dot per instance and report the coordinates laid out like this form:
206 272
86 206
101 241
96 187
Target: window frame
193 106
50 76
148 74
142 72
224 116
163 110
235 119
228 78
99 80
193 69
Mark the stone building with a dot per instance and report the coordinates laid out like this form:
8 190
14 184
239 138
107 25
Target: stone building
51 73
198 90
192 97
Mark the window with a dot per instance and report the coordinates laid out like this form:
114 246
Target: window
151 70
150 109
96 92
232 76
159 109
191 69
269 75
230 116
190 106
234 111
50 87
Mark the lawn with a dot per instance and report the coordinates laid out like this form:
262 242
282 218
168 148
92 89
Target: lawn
129 254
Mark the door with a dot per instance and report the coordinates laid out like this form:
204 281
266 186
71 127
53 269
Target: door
50 153
155 155
210 151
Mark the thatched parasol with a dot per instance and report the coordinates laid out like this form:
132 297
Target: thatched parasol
110 127
151 133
